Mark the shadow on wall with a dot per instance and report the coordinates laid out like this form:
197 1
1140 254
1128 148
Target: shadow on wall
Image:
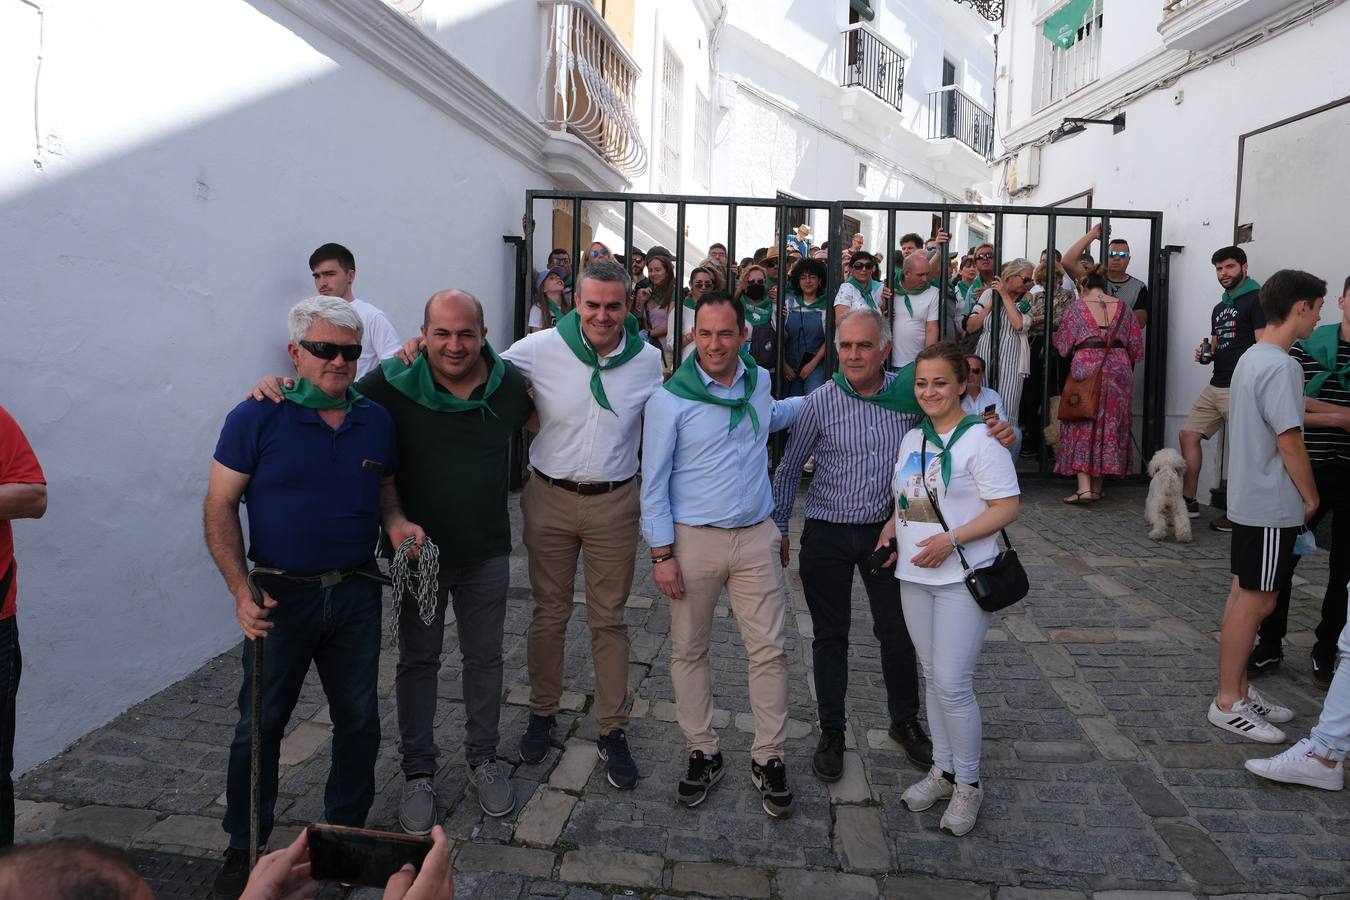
144 294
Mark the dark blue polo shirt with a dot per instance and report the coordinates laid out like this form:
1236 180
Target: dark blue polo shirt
313 493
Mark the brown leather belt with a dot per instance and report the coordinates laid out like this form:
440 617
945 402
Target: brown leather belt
584 488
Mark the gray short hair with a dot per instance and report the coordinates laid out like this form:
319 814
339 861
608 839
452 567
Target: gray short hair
333 310
868 313
605 270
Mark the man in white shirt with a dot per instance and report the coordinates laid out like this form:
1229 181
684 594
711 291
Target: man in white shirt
985 402
592 375
334 270
915 309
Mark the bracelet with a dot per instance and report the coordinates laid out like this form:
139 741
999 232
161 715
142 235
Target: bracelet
661 559
951 536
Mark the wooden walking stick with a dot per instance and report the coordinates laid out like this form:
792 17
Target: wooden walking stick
255 726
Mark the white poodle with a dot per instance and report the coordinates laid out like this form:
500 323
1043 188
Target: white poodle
1164 506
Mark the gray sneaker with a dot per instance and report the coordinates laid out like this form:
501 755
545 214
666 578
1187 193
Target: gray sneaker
417 809
494 787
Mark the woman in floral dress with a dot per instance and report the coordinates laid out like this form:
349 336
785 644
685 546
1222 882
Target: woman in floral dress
1091 449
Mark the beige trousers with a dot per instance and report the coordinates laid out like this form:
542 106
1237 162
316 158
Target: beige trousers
603 530
746 562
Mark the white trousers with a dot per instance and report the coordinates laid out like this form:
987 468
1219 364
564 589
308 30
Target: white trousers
948 629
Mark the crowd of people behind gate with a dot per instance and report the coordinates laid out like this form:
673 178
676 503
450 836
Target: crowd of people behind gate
913 481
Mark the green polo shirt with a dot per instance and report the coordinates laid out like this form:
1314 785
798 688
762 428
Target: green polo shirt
453 479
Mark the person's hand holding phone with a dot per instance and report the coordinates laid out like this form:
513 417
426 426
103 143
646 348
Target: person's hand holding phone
283 874
435 881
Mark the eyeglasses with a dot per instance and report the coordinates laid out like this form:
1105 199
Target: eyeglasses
984 256
1117 253
329 350
702 284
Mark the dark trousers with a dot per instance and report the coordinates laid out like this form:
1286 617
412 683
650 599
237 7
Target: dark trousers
1333 491
830 552
338 629
478 593
11 663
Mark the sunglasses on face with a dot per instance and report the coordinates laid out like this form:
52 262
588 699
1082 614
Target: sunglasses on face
329 350
1117 253
863 265
977 371
704 284
984 256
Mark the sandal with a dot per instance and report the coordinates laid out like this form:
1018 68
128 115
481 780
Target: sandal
1076 499
1094 496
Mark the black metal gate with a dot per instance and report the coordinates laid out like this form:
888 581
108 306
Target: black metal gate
1155 336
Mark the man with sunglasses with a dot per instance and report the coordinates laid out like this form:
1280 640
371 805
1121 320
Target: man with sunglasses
1130 290
455 410
861 290
334 271
318 474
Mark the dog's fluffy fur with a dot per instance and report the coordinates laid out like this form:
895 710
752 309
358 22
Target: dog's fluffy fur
1165 508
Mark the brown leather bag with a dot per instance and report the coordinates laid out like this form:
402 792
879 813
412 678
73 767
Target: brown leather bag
1081 395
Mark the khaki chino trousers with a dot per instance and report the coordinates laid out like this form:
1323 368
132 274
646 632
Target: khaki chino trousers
603 530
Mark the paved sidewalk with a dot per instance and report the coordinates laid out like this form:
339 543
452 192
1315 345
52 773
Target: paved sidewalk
1102 776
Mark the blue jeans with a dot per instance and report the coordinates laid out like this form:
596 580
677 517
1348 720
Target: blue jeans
800 387
1331 735
337 628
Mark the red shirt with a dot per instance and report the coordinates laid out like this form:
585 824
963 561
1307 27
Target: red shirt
18 465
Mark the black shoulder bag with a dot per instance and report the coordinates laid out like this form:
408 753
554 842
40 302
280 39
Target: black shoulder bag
998 585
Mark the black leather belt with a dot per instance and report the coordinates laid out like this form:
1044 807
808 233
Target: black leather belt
1097 345
330 579
584 488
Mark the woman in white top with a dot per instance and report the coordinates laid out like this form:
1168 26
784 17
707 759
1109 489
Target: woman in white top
861 290
550 301
1008 300
953 456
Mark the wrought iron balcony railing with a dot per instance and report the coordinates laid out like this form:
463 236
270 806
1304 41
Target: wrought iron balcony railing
952 113
873 63
587 84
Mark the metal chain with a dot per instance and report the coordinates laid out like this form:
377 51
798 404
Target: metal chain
419 582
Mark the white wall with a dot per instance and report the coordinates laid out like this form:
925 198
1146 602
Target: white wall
194 154
1182 159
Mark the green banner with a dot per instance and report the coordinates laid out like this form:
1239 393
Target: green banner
1061 28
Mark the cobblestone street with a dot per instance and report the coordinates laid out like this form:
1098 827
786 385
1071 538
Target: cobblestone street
1102 776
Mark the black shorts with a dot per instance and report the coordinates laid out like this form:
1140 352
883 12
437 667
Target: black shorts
1263 558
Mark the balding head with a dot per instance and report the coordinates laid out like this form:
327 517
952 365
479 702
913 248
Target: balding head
451 299
70 870
917 272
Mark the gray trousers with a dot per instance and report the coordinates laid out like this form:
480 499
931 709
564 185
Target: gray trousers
478 593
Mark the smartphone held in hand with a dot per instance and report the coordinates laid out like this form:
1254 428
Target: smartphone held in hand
360 855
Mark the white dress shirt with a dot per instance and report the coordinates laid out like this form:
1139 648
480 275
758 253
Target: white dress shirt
579 440
379 340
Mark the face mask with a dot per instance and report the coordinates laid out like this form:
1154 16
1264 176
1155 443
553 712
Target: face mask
755 291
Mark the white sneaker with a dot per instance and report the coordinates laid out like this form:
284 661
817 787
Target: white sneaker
1269 709
961 812
1297 766
1243 720
930 789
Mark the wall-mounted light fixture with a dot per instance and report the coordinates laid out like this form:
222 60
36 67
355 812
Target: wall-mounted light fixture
1071 126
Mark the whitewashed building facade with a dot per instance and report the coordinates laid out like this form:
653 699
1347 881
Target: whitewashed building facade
1236 119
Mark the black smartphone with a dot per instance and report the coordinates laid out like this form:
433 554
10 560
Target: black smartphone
360 855
877 561
989 412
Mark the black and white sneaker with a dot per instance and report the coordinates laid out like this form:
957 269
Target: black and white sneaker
536 740
620 767
1192 507
1323 666
771 780
1242 719
1222 524
704 772
1266 658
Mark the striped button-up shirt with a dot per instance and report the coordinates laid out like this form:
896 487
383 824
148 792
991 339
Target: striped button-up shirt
856 444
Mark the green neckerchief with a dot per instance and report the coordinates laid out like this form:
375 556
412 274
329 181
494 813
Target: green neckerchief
554 310
819 304
306 393
687 384
757 314
906 294
690 302
962 427
898 396
865 291
972 295
1323 347
569 326
416 383
1248 285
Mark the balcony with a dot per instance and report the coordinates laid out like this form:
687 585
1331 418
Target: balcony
1201 24
586 89
874 64
952 113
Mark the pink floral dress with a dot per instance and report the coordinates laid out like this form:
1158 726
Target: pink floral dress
1099 446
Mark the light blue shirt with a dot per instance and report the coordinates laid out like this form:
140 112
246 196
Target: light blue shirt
695 472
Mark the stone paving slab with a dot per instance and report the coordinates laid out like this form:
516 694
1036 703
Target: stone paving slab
1102 778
